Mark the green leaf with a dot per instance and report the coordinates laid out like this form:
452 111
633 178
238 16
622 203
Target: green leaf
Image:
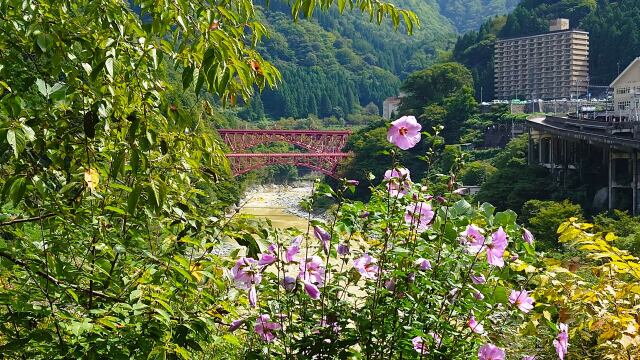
18 190
187 77
500 295
44 41
13 141
135 294
72 294
42 87
109 66
115 210
505 218
132 200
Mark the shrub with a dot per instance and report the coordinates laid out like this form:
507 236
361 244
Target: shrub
544 217
598 295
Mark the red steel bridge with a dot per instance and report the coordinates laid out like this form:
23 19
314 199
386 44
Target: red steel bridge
324 149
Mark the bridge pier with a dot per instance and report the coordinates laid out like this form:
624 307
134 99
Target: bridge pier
607 162
634 169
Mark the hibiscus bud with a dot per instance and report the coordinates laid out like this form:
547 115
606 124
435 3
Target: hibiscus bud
289 283
460 191
364 214
441 199
424 188
415 197
312 290
423 264
253 296
235 324
343 249
478 295
527 236
411 277
390 285
353 182
515 257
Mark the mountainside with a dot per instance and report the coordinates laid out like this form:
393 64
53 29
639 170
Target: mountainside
468 15
612 25
332 65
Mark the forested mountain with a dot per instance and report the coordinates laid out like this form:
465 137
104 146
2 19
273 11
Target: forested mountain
612 25
468 15
333 64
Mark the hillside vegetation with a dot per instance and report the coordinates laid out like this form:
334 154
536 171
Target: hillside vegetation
332 65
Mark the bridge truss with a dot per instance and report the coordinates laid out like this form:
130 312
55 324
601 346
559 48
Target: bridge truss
324 149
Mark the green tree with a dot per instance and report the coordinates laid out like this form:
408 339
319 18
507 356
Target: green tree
515 182
544 217
433 85
476 172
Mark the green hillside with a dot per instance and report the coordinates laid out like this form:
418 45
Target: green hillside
613 27
468 15
332 65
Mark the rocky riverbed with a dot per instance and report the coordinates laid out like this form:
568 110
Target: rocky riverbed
277 201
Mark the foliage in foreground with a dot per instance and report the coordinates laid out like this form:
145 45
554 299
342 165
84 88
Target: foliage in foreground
108 232
598 295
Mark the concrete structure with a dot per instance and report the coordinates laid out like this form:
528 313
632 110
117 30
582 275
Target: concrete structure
390 105
559 24
626 93
602 156
554 65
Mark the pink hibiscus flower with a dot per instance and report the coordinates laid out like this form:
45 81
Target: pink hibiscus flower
474 240
423 264
404 132
312 276
522 300
561 342
490 352
293 249
246 273
398 181
496 249
419 215
474 325
264 327
366 266
324 237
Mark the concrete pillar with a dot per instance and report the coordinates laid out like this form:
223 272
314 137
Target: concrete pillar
611 177
552 158
565 160
530 151
540 150
634 183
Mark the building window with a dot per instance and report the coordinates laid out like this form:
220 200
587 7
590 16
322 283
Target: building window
624 105
621 91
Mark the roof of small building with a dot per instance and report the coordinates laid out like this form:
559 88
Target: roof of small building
635 62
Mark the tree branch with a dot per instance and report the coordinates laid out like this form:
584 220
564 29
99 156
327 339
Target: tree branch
25 220
56 281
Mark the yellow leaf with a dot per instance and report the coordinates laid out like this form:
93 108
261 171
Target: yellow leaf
92 178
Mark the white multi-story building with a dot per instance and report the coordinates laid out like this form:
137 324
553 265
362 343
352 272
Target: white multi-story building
626 92
553 65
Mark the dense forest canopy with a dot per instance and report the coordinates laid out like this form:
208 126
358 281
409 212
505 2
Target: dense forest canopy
612 26
332 65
